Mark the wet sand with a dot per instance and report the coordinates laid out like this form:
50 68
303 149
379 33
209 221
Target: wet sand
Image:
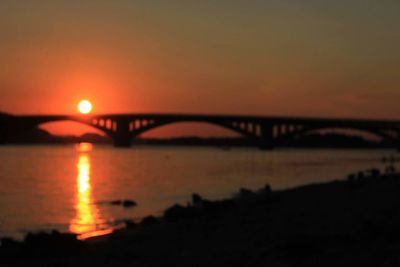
355 222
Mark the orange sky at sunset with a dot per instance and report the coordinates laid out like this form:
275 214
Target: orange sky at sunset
300 58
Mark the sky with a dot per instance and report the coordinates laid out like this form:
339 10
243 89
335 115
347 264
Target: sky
261 57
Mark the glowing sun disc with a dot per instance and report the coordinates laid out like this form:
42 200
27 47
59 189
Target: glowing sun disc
85 107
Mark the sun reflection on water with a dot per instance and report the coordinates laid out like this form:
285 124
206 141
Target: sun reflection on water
87 222
84 147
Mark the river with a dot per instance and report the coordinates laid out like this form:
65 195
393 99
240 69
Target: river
66 187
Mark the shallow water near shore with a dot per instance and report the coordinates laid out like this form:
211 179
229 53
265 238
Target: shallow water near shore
65 188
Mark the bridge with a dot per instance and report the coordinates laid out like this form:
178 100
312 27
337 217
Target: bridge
266 131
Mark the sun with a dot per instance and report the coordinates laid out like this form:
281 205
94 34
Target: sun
85 107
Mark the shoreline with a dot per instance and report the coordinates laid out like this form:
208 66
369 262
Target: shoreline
315 223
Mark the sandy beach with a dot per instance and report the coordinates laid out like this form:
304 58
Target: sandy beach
354 222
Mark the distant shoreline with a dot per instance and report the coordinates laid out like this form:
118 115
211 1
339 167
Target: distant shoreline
208 142
312 140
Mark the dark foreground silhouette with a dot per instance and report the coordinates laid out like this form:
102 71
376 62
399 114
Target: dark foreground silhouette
342 223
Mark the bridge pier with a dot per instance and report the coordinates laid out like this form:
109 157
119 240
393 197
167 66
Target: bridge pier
5 127
266 141
3 137
122 142
122 137
9 131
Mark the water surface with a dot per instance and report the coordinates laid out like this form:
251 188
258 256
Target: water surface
64 188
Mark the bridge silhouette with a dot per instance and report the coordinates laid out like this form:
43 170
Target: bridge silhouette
266 131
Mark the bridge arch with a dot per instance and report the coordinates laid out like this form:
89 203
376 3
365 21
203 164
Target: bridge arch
70 127
84 122
375 132
188 128
241 128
